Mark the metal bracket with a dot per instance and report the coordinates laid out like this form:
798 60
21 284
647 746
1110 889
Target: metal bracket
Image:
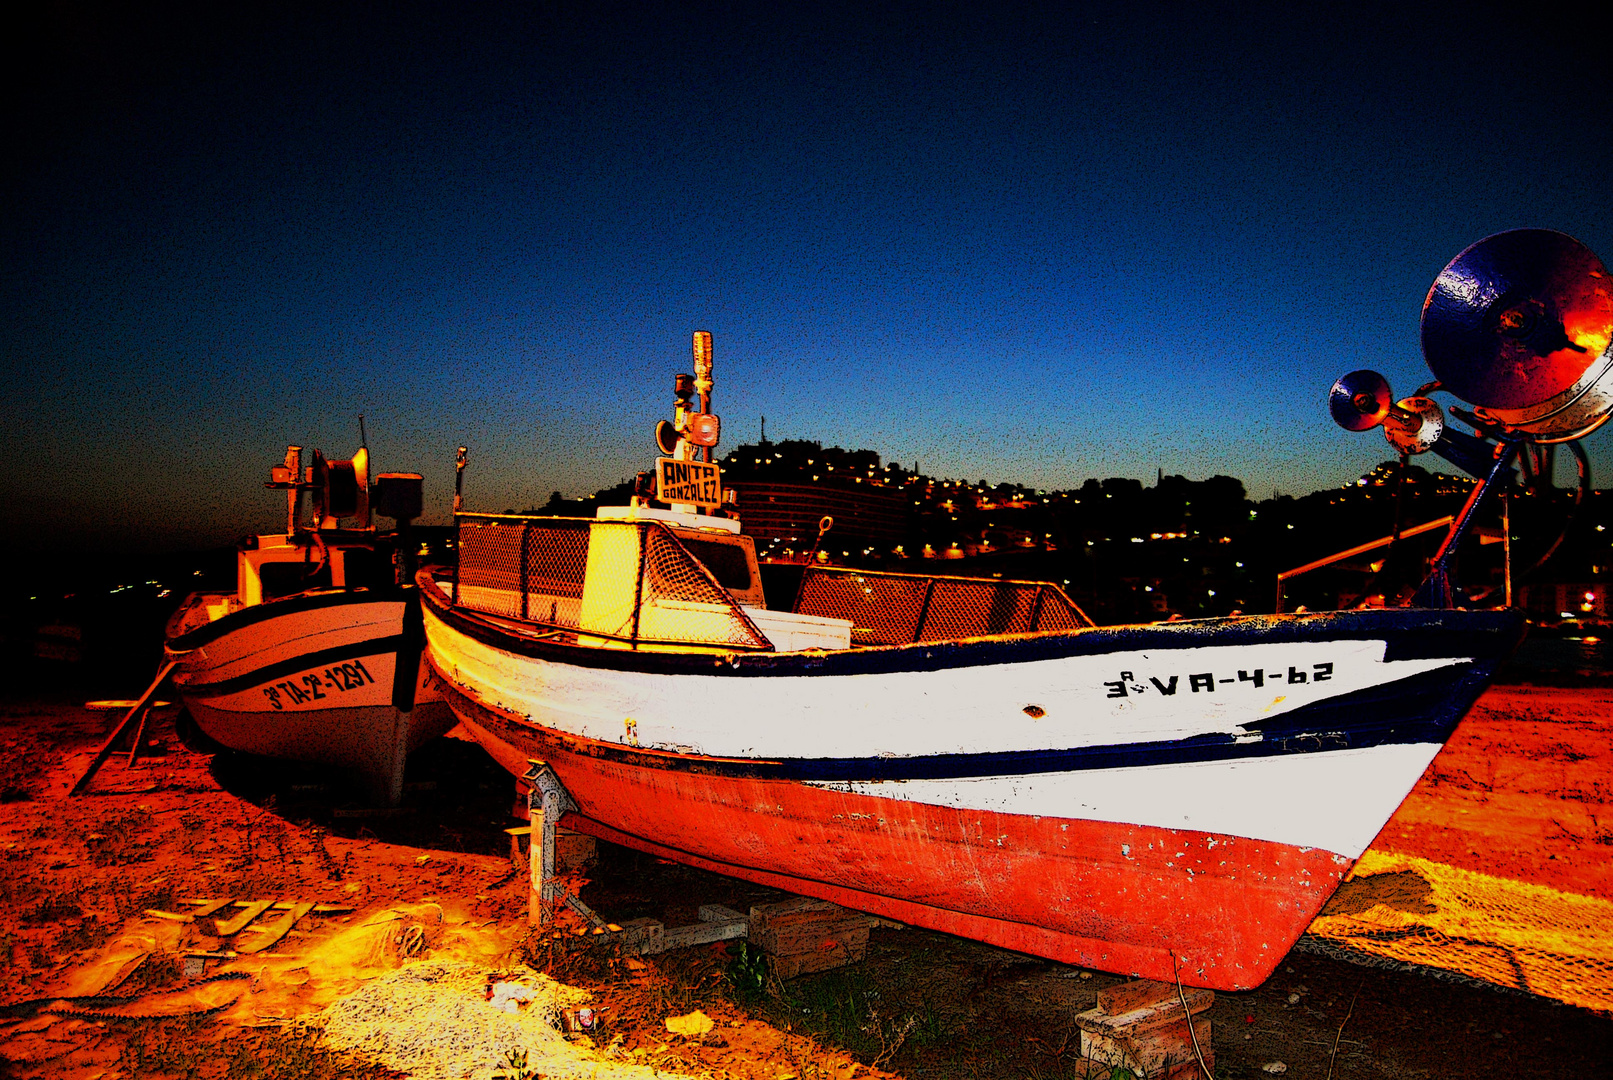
547 801
1436 591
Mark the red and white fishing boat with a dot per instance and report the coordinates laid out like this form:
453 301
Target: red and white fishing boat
315 656
1167 800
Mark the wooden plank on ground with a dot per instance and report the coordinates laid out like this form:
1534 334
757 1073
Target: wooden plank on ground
274 931
105 750
278 905
253 909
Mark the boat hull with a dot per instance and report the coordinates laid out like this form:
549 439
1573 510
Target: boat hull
1049 795
308 678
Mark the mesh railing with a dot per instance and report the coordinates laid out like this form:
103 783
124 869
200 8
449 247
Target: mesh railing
682 601
644 587
896 609
522 568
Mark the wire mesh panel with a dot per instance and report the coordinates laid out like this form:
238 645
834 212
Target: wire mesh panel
972 608
522 568
489 574
895 609
553 559
884 609
683 602
619 583
1059 612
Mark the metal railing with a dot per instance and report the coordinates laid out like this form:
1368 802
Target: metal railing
898 609
1359 549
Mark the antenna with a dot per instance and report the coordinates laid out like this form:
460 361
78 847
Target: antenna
363 443
459 479
702 373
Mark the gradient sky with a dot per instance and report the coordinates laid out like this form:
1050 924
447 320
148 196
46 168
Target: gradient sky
1036 245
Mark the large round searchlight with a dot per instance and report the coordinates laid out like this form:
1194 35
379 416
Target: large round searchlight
1521 325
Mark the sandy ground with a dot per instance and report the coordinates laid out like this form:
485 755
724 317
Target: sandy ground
1523 791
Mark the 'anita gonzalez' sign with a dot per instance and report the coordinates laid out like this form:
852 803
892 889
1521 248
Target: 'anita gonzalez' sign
697 483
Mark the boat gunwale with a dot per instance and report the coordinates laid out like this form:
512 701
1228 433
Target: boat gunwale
336 654
311 600
1493 634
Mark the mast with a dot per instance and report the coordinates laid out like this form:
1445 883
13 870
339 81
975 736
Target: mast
702 373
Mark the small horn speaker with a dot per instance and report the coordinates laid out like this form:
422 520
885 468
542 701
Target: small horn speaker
1359 400
666 437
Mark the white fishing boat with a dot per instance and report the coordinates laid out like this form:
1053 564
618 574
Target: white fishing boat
315 655
1165 800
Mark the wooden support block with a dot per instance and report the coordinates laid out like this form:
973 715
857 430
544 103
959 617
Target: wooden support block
643 936
1087 1069
1127 996
1151 1053
1143 1027
1147 1017
718 913
704 933
802 935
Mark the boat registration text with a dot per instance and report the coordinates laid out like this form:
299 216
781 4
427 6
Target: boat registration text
313 684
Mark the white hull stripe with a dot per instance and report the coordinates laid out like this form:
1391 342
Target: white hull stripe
1289 800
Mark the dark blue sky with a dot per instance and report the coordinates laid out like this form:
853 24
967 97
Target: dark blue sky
1039 245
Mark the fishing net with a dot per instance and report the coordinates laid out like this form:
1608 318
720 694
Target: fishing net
895 609
434 1020
1406 910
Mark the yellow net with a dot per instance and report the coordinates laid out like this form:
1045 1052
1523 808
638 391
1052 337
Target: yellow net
1406 910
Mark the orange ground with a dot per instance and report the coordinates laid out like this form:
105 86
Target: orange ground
1523 791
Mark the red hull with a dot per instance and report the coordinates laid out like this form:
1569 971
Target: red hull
1218 911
